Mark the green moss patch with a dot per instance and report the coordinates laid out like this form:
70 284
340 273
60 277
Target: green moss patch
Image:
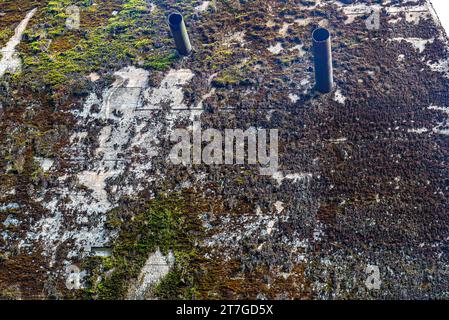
167 223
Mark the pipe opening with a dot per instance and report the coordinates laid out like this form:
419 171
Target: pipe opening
320 35
175 19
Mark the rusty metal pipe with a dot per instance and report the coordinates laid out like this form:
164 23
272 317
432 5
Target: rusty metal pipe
179 32
322 53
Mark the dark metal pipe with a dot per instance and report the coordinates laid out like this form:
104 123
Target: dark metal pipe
322 52
179 32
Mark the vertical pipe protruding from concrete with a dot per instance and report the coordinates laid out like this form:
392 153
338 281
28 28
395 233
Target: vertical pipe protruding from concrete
179 32
322 53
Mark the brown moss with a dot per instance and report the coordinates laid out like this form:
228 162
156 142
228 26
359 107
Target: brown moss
23 276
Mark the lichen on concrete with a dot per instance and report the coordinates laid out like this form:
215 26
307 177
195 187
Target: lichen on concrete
85 138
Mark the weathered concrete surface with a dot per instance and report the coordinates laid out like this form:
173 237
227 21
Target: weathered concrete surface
363 176
10 62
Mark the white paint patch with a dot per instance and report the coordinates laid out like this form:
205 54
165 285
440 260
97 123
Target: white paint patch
305 82
122 98
45 164
293 97
300 22
338 140
284 29
102 252
418 130
443 127
238 228
279 205
270 23
356 10
77 207
295 177
441 66
156 268
203 6
270 226
339 97
300 49
416 16
237 38
276 49
96 181
413 13
10 60
170 90
11 221
418 43
52 231
9 206
395 20
94 77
